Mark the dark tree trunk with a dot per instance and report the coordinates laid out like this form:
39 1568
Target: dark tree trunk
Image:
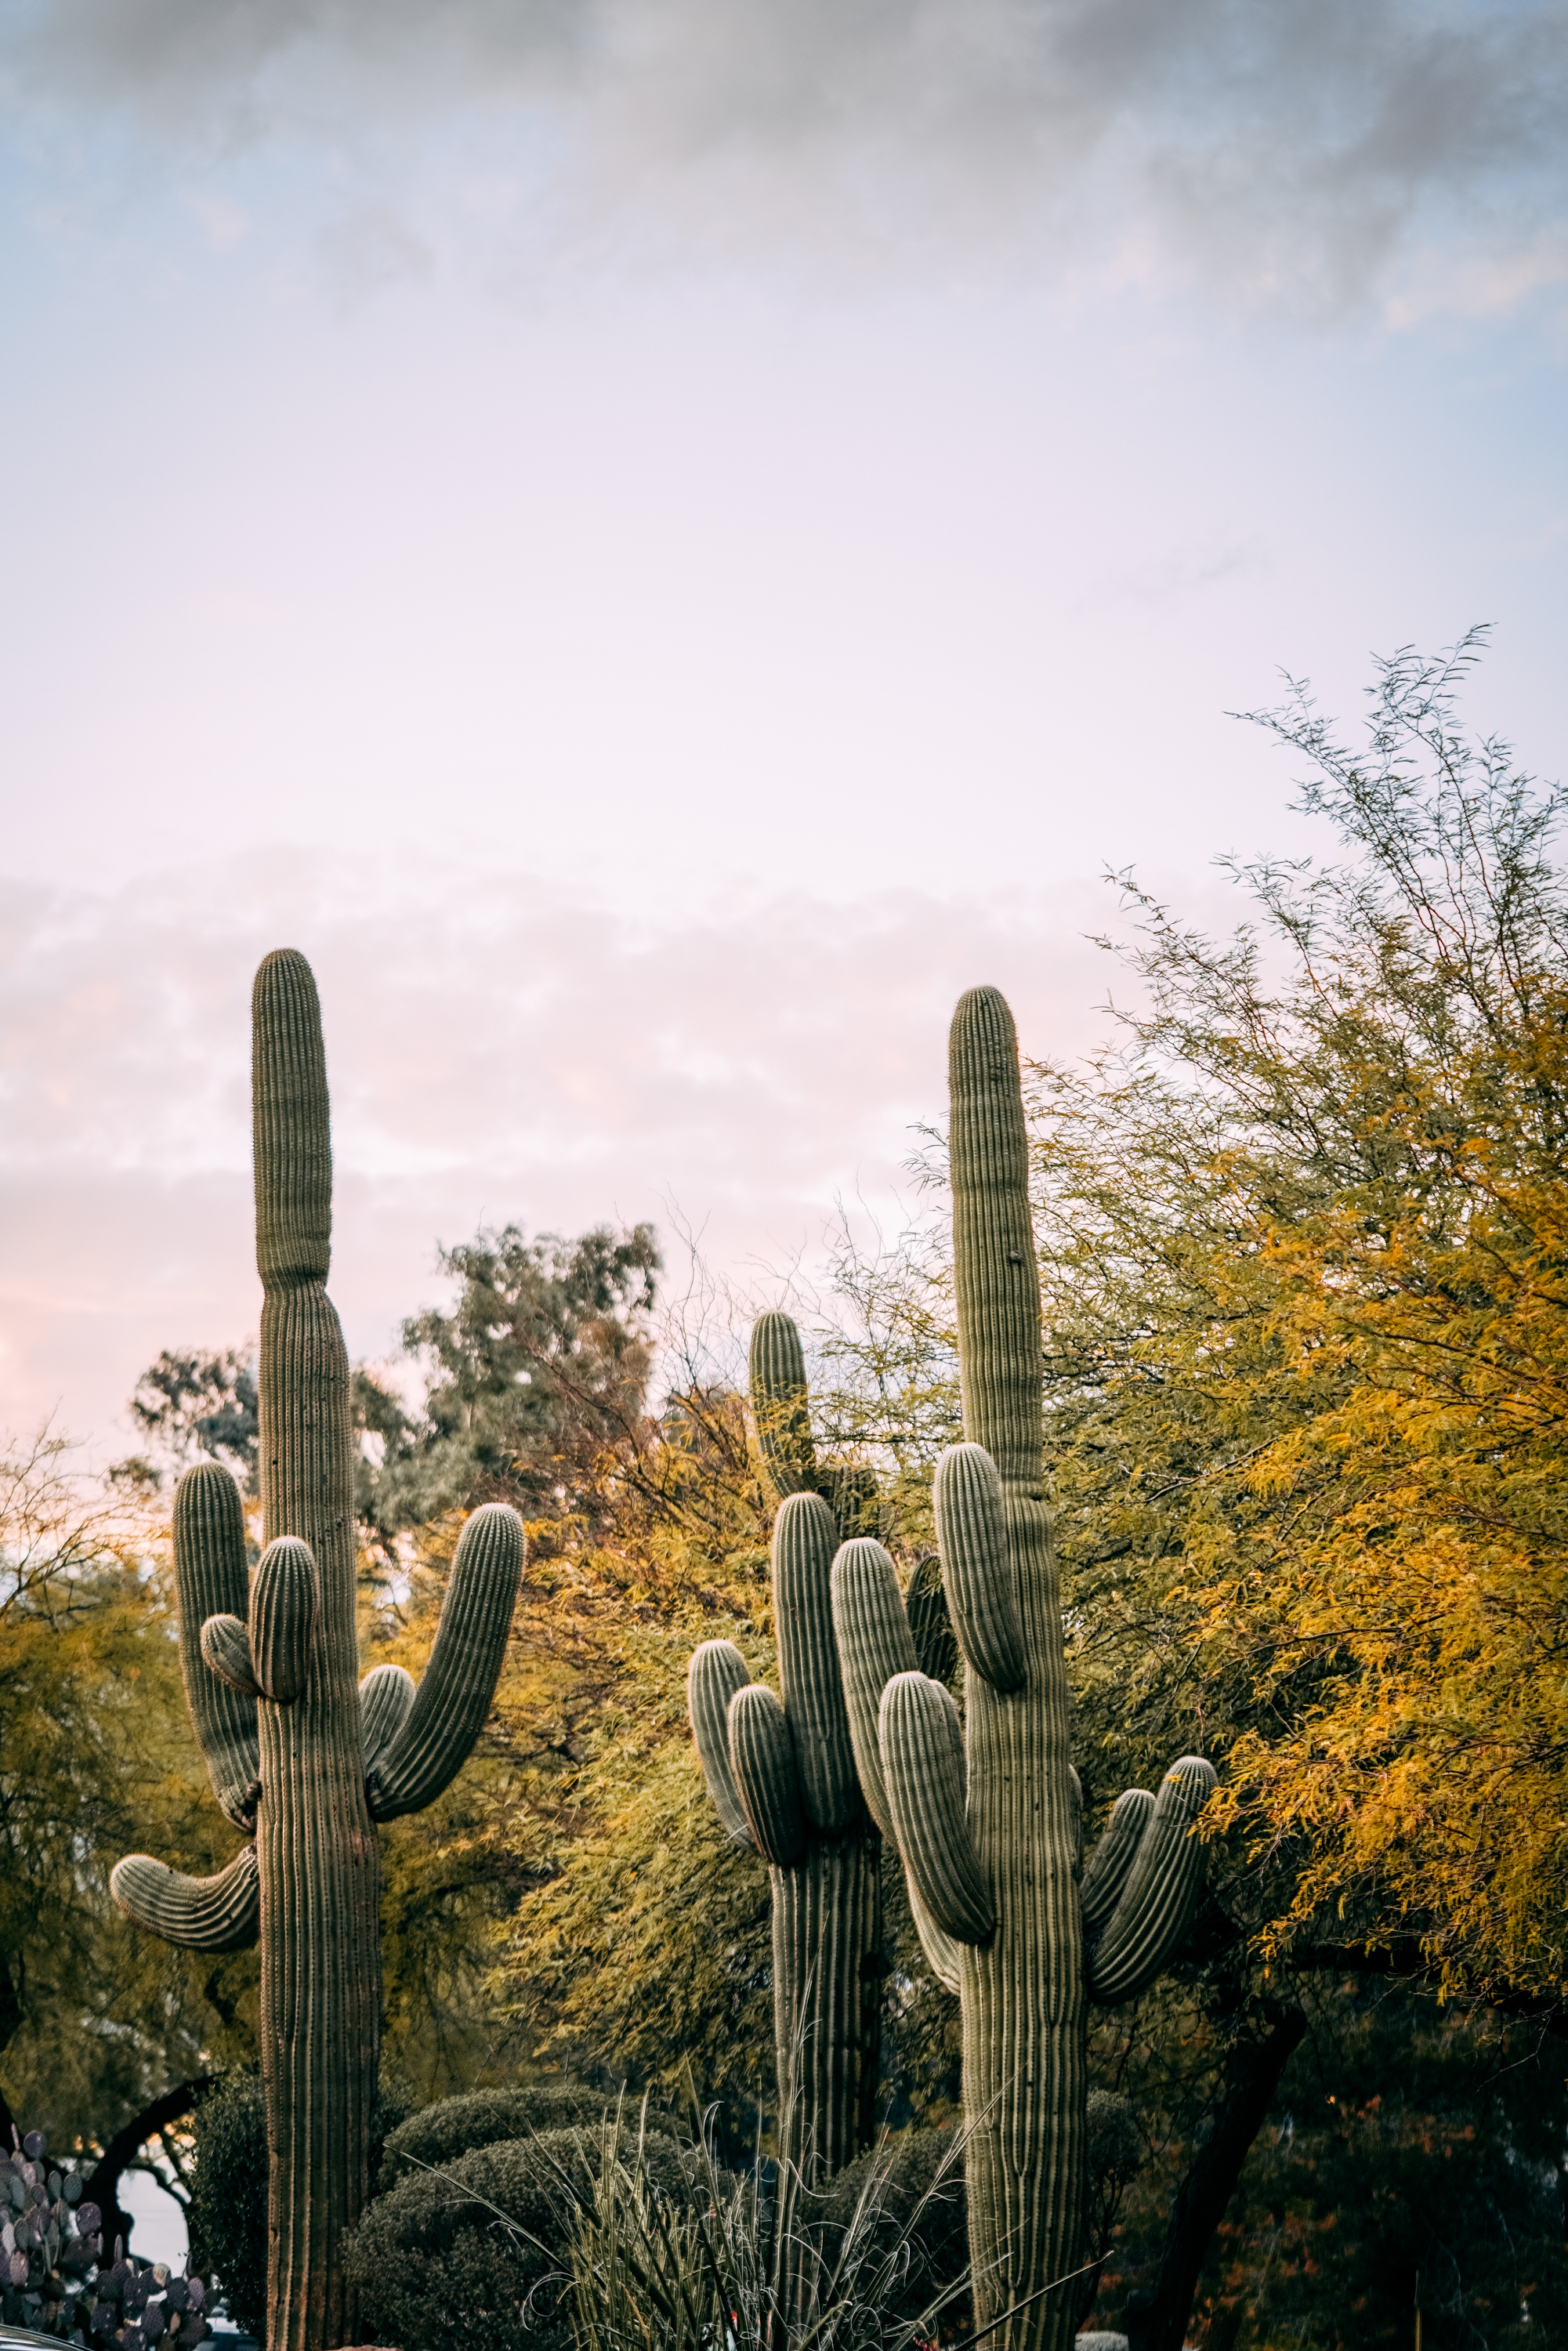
102 2186
1157 2321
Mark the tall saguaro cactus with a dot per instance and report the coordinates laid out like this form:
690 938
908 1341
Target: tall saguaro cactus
986 1814
783 1778
300 1760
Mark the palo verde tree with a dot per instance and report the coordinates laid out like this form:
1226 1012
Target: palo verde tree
301 1762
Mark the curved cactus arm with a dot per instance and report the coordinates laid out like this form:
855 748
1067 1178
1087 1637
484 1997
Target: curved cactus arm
778 1405
226 1647
762 1759
944 1952
805 1538
386 1694
448 1712
210 1580
717 1670
1113 1857
285 1603
198 1914
971 1527
1162 1886
923 1765
874 1643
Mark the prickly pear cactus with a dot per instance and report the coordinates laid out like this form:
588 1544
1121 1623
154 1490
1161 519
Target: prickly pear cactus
301 1761
53 2279
782 1777
986 1812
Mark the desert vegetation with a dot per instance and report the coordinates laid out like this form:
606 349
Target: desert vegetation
1020 1792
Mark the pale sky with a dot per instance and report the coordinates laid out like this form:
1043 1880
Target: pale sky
658 542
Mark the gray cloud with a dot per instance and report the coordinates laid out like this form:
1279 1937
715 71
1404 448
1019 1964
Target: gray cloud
1301 150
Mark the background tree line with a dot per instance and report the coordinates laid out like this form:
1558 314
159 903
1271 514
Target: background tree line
1303 1239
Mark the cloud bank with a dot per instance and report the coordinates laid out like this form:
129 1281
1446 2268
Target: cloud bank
1302 150
495 1052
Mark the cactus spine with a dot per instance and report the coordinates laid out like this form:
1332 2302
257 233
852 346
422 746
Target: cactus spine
783 1778
986 1814
298 1758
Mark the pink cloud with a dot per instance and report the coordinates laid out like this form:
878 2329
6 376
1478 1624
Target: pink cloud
495 1052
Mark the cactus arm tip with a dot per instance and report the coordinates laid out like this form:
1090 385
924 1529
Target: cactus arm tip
805 1539
1158 1890
874 1643
386 1693
762 1762
976 1570
1112 1859
923 1764
197 1914
285 1608
226 1648
210 1580
437 1734
717 1670
779 1407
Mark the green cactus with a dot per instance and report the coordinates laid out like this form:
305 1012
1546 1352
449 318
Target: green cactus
987 1813
783 1778
299 1760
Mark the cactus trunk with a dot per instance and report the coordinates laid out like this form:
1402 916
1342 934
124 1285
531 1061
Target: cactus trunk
1024 2009
827 1996
782 1777
316 1845
988 1814
269 1667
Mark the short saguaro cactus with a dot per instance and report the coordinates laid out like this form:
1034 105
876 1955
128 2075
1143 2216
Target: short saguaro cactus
986 1811
782 1773
302 1762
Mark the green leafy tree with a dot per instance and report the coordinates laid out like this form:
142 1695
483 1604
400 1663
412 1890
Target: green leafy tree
538 1370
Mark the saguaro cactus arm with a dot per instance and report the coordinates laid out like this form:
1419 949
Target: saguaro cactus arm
717 1672
778 1405
923 1761
1113 1857
876 1640
436 1736
762 1759
225 1646
971 1529
285 1602
385 1696
211 1578
198 1914
1161 1888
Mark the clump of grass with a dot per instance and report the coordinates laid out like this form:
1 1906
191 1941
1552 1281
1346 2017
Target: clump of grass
745 2263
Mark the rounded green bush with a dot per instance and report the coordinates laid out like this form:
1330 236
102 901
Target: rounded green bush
228 2201
439 2135
433 2265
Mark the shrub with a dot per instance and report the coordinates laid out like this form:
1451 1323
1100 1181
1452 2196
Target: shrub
481 2253
227 2218
438 2136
